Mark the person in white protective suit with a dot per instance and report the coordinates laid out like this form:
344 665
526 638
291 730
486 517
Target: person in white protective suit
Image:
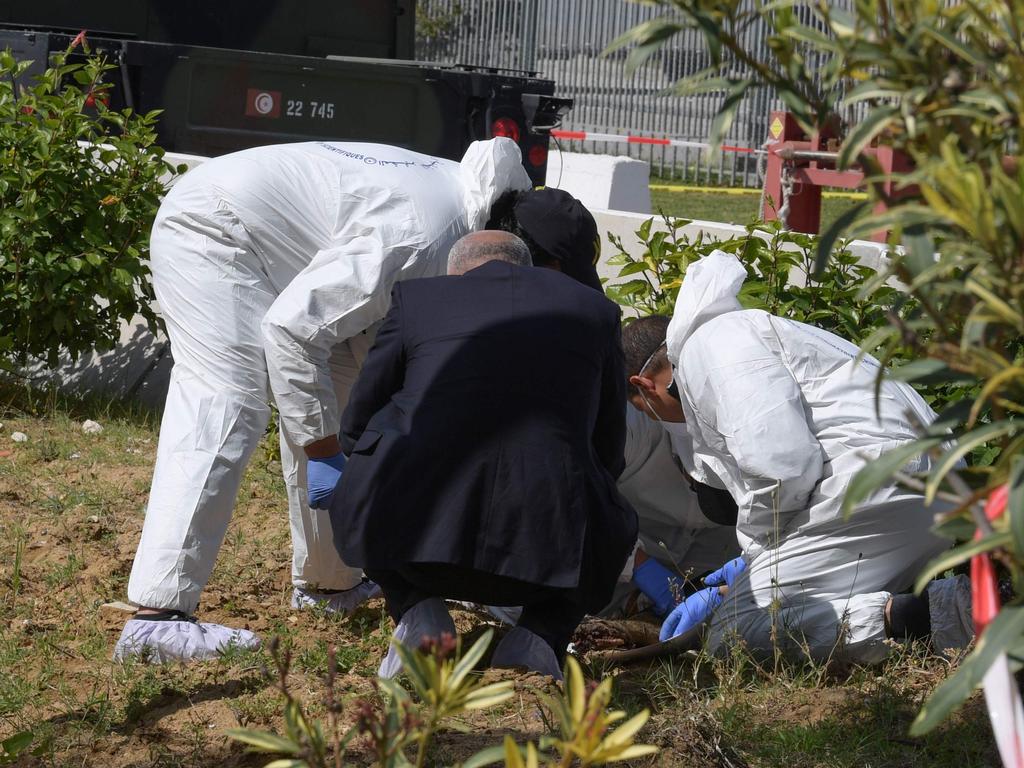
678 543
783 415
271 267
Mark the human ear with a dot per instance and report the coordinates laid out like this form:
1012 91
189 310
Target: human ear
642 383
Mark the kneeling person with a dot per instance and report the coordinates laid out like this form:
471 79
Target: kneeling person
785 415
485 433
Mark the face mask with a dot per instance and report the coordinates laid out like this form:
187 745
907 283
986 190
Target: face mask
650 407
678 435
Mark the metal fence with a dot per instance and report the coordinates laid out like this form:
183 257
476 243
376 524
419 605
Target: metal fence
563 40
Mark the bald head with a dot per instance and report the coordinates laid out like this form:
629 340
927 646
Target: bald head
478 248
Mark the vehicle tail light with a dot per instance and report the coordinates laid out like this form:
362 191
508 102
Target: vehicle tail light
506 126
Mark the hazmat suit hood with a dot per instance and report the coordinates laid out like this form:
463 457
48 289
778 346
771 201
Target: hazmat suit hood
709 289
488 170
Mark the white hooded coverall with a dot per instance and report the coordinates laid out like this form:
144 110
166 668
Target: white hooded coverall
270 265
785 414
673 530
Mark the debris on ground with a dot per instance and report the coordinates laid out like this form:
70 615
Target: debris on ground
612 634
19 437
91 427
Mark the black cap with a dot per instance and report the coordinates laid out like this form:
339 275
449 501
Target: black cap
558 223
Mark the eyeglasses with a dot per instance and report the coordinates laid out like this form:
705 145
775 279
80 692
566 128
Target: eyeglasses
673 388
651 357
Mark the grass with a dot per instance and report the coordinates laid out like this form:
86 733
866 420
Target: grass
71 509
735 207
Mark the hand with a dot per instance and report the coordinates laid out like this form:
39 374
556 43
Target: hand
659 584
694 610
322 476
727 573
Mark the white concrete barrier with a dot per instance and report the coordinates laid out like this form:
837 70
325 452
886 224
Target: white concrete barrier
625 225
602 181
180 158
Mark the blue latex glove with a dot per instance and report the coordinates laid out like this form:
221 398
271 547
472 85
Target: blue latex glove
658 583
322 476
727 573
691 612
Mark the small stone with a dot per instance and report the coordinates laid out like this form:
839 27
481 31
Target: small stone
91 427
93 518
19 437
75 456
1 425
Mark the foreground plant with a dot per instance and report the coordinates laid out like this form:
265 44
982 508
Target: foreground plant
442 679
303 740
585 721
444 684
440 676
943 84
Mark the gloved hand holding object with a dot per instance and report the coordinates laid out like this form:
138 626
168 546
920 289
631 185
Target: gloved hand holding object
695 609
727 574
322 476
659 584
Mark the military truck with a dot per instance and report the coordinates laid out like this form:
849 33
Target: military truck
232 74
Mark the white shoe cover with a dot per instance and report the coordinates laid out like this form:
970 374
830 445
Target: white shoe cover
522 648
342 603
428 618
949 607
162 641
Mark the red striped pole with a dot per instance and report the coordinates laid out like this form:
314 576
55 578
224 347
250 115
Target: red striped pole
615 138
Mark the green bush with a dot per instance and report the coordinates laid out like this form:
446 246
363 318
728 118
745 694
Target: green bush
79 187
780 277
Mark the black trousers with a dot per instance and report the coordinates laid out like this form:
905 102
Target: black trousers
550 613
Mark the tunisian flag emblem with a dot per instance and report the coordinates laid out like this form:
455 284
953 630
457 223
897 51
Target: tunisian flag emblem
260 103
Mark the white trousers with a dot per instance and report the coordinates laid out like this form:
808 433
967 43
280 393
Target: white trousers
213 294
822 593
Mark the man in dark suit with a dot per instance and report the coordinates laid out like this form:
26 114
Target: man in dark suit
485 434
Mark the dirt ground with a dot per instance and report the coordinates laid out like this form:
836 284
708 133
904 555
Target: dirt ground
71 510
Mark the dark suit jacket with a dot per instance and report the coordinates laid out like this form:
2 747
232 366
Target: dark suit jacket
486 429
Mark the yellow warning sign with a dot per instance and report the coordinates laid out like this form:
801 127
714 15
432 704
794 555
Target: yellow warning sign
775 129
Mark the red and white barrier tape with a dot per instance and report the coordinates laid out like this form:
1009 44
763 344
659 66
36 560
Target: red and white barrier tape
614 138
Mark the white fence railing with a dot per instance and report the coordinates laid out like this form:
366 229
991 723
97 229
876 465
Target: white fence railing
563 40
